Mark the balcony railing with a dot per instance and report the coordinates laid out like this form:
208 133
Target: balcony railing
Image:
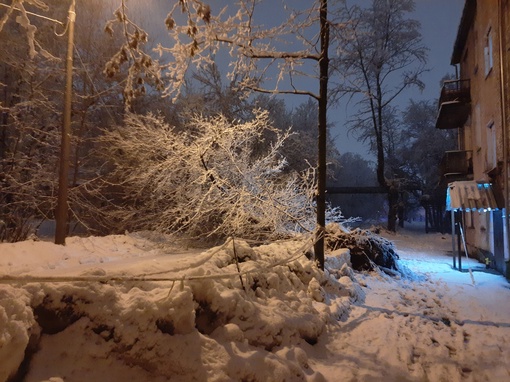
455 90
457 165
454 104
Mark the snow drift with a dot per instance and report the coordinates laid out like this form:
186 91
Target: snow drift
142 311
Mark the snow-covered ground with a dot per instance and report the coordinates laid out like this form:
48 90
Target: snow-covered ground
437 326
137 307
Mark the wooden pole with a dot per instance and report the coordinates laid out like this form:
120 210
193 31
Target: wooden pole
62 211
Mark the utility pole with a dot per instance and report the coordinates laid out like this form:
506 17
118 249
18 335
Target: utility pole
62 211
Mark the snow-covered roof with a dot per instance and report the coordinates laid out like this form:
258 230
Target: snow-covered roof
470 196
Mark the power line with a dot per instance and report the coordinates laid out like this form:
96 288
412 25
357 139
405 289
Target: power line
8 279
33 14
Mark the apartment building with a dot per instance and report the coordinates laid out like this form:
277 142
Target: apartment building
476 176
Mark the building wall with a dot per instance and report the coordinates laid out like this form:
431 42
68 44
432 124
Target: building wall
505 75
483 133
505 49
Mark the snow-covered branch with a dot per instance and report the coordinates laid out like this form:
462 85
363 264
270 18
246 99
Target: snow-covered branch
207 181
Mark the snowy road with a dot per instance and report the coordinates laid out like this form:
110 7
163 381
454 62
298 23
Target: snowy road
437 326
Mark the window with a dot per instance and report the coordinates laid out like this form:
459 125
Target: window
488 53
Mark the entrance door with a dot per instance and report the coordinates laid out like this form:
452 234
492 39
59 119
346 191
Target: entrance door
499 252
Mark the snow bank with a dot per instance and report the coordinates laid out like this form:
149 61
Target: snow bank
18 329
197 316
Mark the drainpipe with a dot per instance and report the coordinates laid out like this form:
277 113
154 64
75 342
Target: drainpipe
491 232
502 26
505 234
456 71
459 142
453 238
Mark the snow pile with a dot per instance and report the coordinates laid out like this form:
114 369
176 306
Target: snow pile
18 328
194 316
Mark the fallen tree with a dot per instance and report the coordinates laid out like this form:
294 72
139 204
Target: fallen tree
368 250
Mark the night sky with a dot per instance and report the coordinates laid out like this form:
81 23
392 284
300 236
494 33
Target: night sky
439 19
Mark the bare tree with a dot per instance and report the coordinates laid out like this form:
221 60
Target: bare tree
381 55
31 100
424 145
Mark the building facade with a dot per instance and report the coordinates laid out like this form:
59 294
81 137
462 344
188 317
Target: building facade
477 104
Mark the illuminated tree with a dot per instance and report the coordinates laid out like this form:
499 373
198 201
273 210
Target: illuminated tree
205 181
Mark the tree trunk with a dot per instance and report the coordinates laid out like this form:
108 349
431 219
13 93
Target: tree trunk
322 127
392 209
401 214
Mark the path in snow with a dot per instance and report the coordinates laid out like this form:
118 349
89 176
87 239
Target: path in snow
437 326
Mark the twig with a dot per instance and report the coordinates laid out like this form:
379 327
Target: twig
237 264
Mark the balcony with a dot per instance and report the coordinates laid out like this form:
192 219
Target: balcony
454 104
456 166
